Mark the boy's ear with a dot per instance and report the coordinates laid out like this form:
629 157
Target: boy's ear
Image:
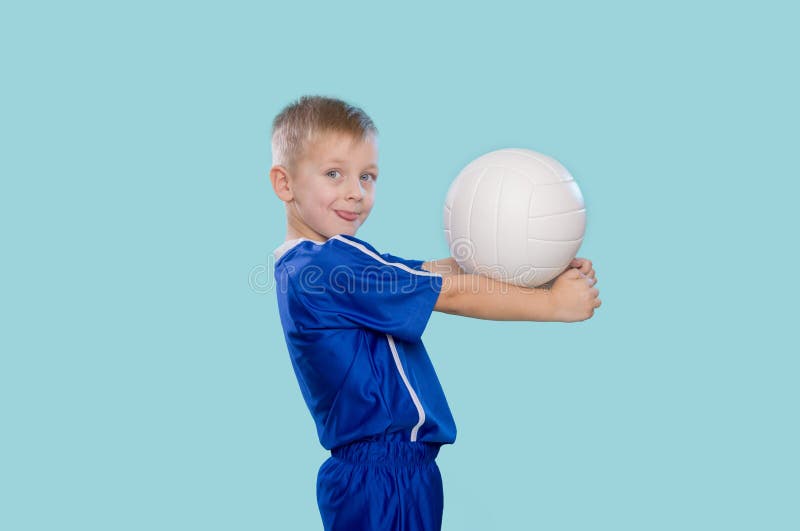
279 177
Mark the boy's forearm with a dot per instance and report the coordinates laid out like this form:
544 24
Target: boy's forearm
482 297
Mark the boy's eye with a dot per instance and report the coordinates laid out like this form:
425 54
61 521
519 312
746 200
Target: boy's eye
369 176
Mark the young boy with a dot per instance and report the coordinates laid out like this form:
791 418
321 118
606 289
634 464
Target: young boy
353 320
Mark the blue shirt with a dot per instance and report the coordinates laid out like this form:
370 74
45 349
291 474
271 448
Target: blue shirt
353 320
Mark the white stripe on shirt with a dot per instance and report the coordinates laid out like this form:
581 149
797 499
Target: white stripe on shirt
414 398
366 251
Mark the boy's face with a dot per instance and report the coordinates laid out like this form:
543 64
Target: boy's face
332 186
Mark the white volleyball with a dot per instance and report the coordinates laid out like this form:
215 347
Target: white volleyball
515 215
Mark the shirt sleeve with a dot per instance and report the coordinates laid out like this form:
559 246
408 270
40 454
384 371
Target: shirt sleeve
348 284
413 264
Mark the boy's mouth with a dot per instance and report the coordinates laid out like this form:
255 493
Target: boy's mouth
344 214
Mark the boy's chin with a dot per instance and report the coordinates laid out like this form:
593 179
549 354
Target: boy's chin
349 230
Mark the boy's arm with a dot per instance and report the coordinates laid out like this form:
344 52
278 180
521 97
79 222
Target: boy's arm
443 266
482 297
572 298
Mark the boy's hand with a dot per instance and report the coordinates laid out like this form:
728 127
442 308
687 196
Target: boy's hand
573 293
583 265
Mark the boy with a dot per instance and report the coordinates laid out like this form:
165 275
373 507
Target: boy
353 320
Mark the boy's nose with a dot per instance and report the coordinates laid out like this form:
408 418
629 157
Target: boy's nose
355 191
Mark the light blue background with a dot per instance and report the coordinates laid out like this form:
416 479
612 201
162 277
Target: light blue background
145 382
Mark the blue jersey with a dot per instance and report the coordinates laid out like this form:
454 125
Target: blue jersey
353 320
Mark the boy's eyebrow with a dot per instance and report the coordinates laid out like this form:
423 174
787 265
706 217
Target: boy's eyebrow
337 161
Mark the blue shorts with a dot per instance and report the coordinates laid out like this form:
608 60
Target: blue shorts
381 484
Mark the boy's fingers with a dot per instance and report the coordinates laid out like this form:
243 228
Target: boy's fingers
584 264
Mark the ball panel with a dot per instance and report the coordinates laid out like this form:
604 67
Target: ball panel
483 216
461 254
539 167
534 277
551 254
536 169
454 189
545 170
558 227
459 219
512 219
465 180
556 198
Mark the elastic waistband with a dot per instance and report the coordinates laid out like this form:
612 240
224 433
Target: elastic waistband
387 452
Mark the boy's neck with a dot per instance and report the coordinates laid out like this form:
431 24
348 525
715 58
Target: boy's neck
292 234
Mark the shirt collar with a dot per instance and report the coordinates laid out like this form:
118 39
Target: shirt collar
288 244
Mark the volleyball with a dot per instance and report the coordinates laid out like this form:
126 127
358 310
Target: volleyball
515 215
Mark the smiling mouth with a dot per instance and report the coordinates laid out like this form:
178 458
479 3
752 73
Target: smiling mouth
344 214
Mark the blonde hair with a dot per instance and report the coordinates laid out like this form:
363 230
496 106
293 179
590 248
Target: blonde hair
301 122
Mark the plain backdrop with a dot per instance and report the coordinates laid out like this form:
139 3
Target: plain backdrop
145 382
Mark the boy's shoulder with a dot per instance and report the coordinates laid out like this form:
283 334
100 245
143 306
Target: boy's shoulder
340 249
319 249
